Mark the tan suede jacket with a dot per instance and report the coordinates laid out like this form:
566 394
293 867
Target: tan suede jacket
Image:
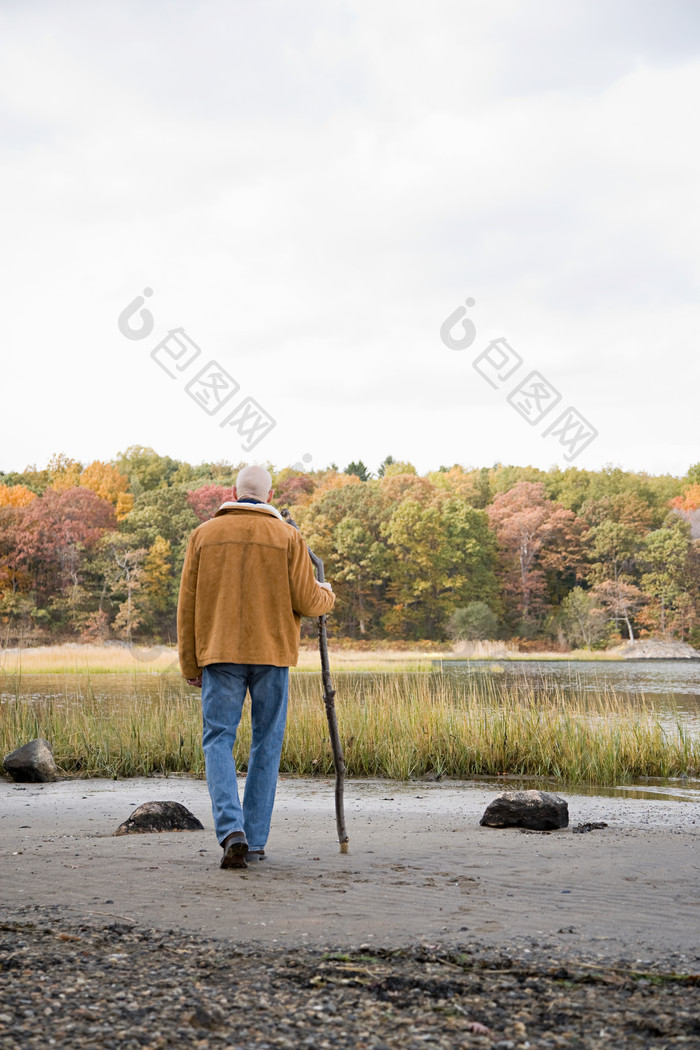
246 582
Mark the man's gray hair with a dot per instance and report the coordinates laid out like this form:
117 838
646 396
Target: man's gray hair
253 481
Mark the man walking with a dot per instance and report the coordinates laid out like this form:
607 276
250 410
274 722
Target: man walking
246 582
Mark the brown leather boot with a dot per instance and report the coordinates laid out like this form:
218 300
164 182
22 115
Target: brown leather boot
235 848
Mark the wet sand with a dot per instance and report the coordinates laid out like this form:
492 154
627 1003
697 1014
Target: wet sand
419 869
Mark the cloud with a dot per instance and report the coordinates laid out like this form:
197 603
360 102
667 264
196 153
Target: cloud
310 189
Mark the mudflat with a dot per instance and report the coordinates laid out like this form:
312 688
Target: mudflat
420 869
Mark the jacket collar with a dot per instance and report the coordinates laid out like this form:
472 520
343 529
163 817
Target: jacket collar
235 505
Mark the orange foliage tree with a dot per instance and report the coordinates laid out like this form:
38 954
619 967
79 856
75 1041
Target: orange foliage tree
105 481
16 496
690 500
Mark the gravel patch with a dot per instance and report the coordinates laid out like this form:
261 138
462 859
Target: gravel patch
82 983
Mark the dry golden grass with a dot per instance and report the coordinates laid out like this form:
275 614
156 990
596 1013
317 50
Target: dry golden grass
88 659
118 659
113 659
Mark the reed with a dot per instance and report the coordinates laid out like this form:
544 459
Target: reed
76 658
394 725
162 659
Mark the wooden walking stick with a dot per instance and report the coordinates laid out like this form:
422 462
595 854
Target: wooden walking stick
329 701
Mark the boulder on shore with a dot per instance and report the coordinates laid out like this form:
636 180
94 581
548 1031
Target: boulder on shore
656 649
537 810
32 763
159 816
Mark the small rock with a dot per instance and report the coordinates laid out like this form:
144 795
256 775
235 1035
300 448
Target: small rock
209 1016
159 816
537 810
32 763
590 825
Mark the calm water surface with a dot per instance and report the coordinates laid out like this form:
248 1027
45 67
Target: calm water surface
668 686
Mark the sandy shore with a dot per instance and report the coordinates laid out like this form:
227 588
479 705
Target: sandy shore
420 869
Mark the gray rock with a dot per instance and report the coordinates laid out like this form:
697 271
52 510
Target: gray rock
32 763
159 816
590 825
656 649
537 810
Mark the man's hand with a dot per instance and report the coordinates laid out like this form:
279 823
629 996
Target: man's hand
195 681
325 585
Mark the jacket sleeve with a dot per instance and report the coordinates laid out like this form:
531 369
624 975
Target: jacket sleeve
186 613
308 599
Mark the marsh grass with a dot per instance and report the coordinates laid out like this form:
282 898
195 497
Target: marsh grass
161 659
75 658
393 724
89 659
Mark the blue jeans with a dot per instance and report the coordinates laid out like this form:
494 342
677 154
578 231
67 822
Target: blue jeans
224 688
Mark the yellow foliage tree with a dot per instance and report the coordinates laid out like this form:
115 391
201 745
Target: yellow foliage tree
335 481
157 575
106 481
16 496
63 472
401 466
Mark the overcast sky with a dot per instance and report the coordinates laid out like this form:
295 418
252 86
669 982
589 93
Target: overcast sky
310 189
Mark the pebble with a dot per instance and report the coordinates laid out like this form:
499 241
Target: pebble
64 983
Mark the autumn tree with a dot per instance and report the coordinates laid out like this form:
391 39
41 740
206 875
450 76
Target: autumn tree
105 481
397 467
63 472
342 523
474 622
504 477
473 486
206 500
537 539
123 574
13 577
581 618
622 601
612 549
18 610
619 523
58 536
220 472
157 597
687 506
292 489
689 500
145 469
37 481
668 578
398 486
442 558
162 512
16 496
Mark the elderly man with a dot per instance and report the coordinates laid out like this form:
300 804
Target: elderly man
246 582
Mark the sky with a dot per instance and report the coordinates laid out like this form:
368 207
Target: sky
332 230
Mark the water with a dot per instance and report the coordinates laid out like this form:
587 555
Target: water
669 687
64 689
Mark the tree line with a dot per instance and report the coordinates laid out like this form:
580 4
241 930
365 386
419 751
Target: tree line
581 558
